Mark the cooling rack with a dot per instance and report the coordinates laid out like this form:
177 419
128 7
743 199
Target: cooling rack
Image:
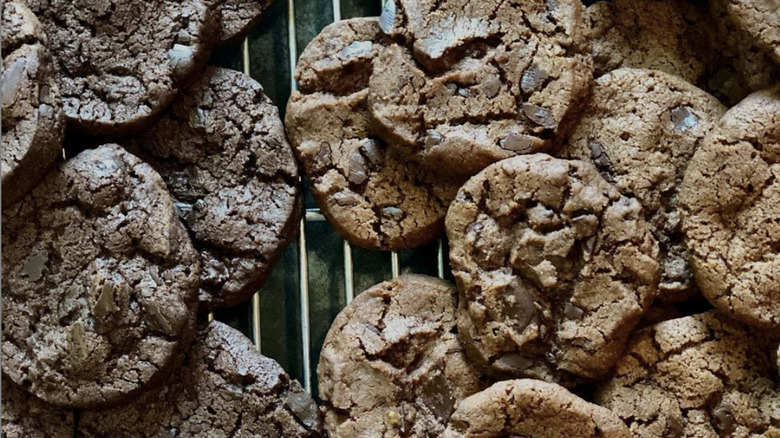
320 273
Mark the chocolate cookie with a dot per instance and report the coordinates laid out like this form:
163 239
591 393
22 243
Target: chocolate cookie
760 19
100 280
730 201
532 408
121 62
24 416
698 376
238 16
640 129
476 82
222 152
225 388
370 194
392 365
33 120
554 268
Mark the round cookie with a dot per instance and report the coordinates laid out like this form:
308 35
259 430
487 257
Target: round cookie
554 268
698 376
224 388
238 16
666 35
730 201
526 407
121 62
33 120
222 152
370 194
761 20
476 82
640 129
392 365
24 416
100 278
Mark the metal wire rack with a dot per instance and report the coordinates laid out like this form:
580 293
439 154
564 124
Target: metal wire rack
315 278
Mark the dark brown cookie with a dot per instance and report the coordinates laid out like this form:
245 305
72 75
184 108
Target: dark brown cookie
476 82
33 120
554 268
640 129
392 365
222 152
666 35
370 194
24 416
238 16
730 201
698 376
224 388
99 281
532 408
121 62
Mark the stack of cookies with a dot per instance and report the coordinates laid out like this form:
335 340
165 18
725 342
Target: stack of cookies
608 178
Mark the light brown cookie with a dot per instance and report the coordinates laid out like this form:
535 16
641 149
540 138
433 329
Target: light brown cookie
666 35
470 83
554 268
761 20
730 200
640 129
532 408
32 117
698 376
238 16
392 365
371 195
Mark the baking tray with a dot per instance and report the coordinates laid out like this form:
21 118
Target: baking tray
319 273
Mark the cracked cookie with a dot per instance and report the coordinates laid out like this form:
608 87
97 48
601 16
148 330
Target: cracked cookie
371 195
121 62
222 152
471 83
101 281
32 117
224 388
730 201
392 365
238 16
526 407
24 416
554 268
640 129
698 376
666 35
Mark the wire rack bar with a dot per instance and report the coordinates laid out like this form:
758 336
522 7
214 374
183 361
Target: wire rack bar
349 272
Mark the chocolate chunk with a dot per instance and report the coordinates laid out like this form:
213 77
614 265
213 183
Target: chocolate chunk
345 199
373 152
160 318
723 417
69 302
492 86
464 92
394 213
684 119
105 303
521 302
356 48
437 396
433 139
77 343
570 311
387 18
180 57
513 362
540 115
357 173
532 78
520 143
301 405
324 154
34 266
12 80
600 158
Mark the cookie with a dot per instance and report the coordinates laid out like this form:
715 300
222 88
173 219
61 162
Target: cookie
526 407
121 62
101 280
476 82
730 201
554 268
667 35
698 376
24 416
370 194
238 16
391 364
640 129
760 19
224 388
222 152
33 120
